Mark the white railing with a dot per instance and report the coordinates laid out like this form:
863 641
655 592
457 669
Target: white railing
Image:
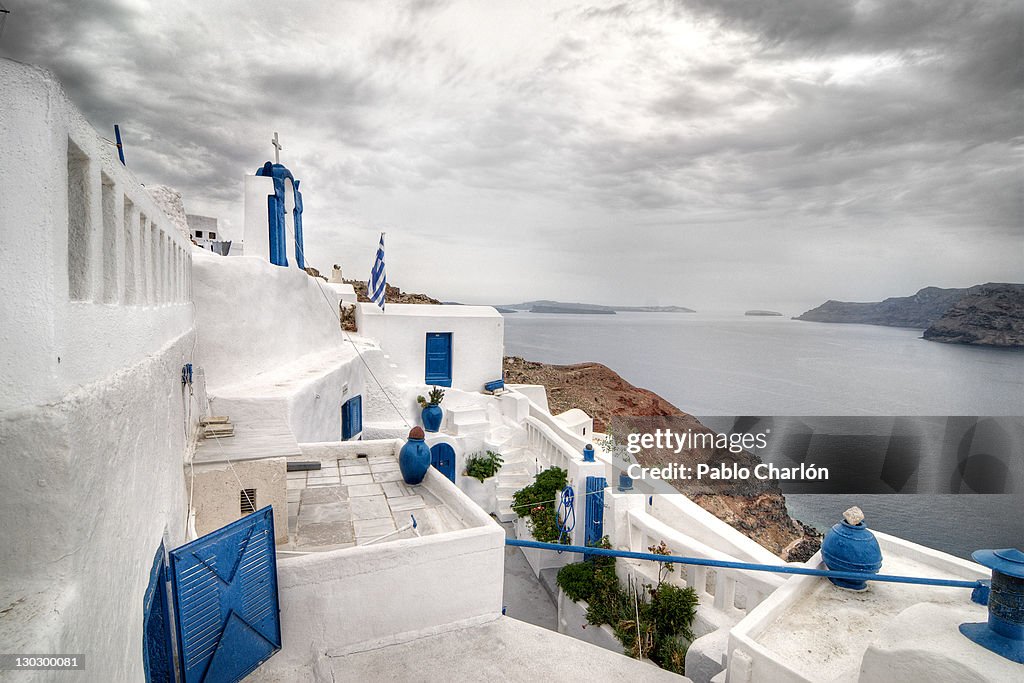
574 440
550 449
732 590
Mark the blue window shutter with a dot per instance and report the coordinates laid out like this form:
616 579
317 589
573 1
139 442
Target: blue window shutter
351 417
225 599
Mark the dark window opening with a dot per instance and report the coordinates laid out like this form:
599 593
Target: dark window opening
247 501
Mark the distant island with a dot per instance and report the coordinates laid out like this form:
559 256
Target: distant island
760 312
986 315
548 306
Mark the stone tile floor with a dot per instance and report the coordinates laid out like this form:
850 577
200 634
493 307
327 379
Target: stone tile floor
352 501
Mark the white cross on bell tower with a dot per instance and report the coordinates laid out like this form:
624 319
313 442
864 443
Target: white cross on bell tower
277 148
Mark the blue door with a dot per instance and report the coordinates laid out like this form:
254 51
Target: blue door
439 359
442 456
225 600
157 656
595 510
351 418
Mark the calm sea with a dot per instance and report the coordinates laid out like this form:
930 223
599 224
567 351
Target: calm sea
725 365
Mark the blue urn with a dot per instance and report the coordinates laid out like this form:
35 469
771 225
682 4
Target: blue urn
850 547
431 416
414 458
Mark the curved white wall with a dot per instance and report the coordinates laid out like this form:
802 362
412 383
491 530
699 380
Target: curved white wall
253 317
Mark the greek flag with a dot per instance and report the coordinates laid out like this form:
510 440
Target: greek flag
378 280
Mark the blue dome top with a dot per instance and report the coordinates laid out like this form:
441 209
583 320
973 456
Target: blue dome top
1009 561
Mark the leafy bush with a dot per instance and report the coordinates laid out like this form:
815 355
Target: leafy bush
652 622
484 467
538 501
673 609
577 580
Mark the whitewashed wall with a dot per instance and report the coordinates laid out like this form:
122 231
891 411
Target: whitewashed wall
271 344
256 230
478 334
94 420
364 597
77 263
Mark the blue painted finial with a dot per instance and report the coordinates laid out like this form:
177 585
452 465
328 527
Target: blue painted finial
1004 631
850 547
588 453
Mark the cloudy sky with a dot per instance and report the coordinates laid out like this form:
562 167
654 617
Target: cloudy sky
709 153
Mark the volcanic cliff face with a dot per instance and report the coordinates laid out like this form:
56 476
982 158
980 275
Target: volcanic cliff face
756 508
392 295
989 315
919 310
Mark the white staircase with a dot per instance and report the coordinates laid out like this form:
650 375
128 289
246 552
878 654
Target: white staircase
467 422
517 471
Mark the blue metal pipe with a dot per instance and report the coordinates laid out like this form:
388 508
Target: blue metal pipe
778 569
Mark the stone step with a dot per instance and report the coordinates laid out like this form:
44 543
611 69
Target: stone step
505 513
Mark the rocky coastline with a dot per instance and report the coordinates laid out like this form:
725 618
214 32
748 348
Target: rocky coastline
983 315
759 511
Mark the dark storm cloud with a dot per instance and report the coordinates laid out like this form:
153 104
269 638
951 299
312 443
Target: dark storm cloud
505 131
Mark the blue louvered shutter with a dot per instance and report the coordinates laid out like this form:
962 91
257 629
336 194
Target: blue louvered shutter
225 599
351 417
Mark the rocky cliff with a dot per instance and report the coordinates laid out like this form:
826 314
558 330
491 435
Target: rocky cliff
919 310
392 295
758 511
988 315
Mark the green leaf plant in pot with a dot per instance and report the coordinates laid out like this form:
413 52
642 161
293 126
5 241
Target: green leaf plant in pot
432 413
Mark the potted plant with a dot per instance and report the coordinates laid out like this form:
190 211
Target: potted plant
432 413
478 480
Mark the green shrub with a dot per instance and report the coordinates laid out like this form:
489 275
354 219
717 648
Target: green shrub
673 609
577 580
484 467
539 502
664 613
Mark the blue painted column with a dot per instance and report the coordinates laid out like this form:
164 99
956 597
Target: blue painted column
1004 631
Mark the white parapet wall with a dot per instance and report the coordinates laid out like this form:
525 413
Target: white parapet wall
95 422
809 630
366 597
88 255
477 340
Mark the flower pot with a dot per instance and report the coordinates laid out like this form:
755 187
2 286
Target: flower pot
414 458
431 417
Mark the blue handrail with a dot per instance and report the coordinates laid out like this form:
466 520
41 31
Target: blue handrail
778 569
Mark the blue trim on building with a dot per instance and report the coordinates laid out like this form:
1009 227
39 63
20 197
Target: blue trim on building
276 218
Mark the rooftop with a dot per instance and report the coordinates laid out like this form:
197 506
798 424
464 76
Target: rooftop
823 631
357 497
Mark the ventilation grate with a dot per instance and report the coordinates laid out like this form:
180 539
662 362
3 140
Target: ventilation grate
247 501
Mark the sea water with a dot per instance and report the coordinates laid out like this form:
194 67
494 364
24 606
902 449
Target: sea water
715 365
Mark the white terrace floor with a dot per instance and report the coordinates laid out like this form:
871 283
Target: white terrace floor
353 501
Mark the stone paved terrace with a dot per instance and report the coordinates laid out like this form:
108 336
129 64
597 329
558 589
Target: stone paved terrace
358 497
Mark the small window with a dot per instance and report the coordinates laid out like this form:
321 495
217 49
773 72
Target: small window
247 501
199 233
213 235
352 418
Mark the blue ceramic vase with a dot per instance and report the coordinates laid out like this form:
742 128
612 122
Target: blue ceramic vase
431 417
850 547
414 458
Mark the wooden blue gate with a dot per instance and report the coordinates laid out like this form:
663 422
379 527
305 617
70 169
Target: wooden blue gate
225 600
442 456
595 510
